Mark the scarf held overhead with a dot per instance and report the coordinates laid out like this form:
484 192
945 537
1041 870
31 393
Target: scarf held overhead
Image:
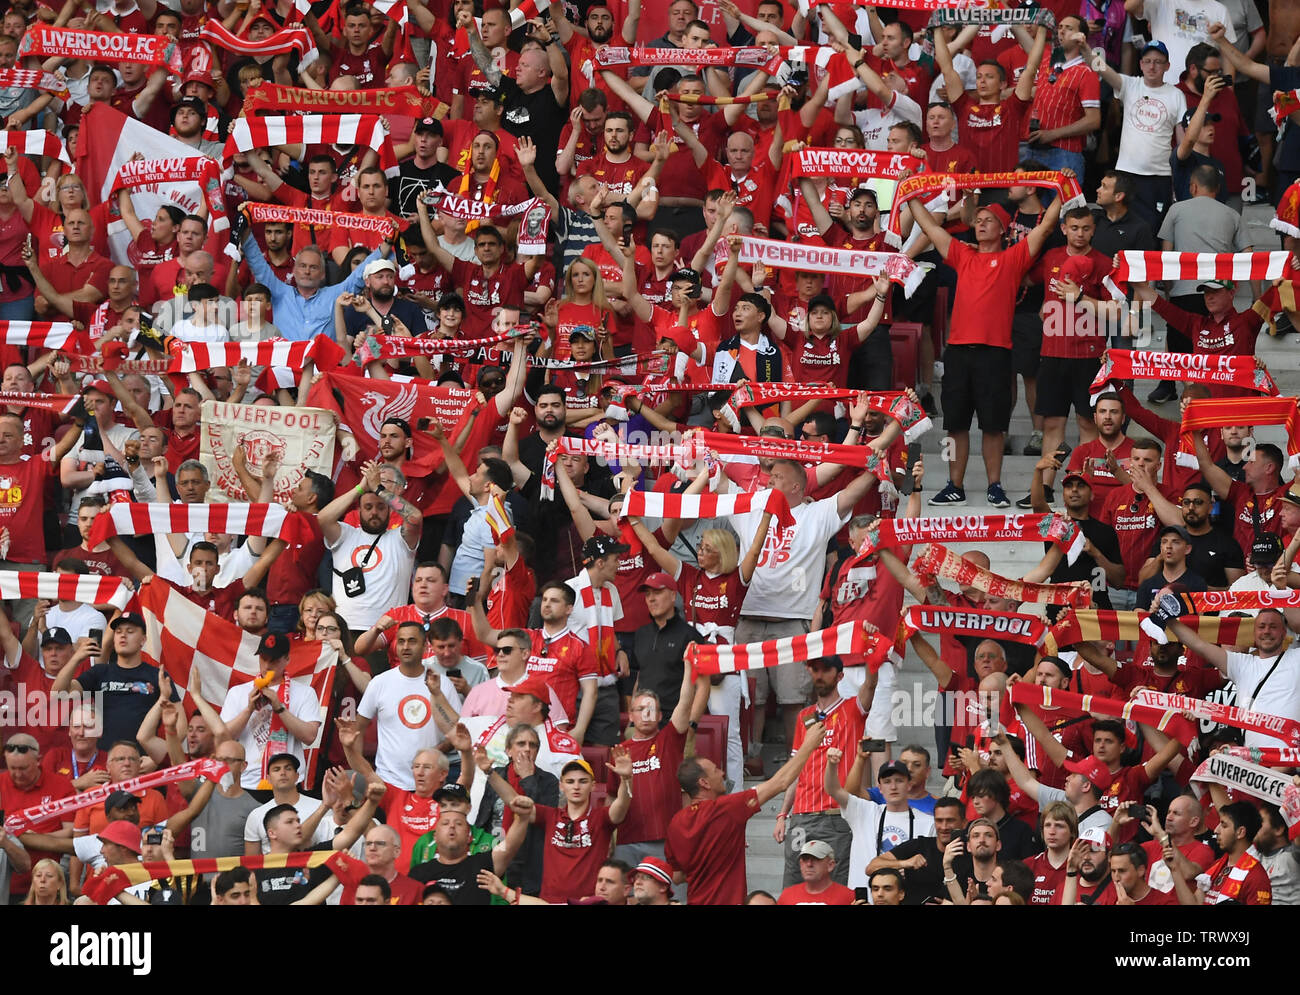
1090 625
57 335
281 43
136 519
101 46
1278 726
1053 528
247 134
642 504
982 623
848 639
261 213
1209 412
404 101
1188 367
89 589
939 561
1023 693
1260 782
852 163
59 404
900 269
930 184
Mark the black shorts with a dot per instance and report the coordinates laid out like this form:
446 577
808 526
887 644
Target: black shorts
977 381
1062 383
1026 342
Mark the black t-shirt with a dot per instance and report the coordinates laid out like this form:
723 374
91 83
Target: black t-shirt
925 882
1148 588
538 116
409 314
128 693
1128 233
1211 554
1085 567
285 885
1017 839
459 881
411 180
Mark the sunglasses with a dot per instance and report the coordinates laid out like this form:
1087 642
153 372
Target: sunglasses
19 748
507 649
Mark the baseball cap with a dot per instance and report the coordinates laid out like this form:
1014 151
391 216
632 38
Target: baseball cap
1209 285
273 646
999 212
428 125
657 868
122 833
817 849
822 300
863 192
278 757
495 94
99 385
829 661
193 103
1155 46
895 767
1292 496
577 763
58 635
451 793
378 266
129 618
598 546
1187 117
1096 836
120 800
1177 530
1265 550
583 332
1075 475
533 685
1092 769
658 581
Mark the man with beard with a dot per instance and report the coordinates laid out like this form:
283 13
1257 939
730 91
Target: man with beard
372 202
585 69
616 165
1214 555
491 283
378 306
1100 563
276 234
921 859
857 228
370 583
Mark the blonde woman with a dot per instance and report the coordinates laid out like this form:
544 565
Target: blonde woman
49 886
712 594
584 303
312 606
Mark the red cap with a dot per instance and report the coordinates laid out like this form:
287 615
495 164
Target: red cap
999 212
122 833
1077 269
99 385
533 685
1094 770
656 867
659 581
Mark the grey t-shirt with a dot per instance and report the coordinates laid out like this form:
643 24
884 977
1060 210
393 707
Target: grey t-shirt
1047 794
218 831
1202 224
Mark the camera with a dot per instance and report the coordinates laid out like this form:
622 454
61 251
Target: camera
153 838
423 424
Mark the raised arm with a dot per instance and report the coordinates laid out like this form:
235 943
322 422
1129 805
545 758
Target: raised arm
787 775
832 777
1209 652
1025 86
1016 767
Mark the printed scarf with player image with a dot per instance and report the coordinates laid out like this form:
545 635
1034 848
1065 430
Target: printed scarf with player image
930 184
937 561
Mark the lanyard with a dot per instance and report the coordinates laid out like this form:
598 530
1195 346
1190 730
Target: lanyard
880 828
76 767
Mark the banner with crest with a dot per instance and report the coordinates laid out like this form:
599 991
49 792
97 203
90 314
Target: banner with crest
299 439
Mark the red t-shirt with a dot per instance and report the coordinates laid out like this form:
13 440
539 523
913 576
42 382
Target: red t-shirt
1234 337
1064 100
991 130
563 662
22 506
105 564
511 597
1246 505
1197 852
1089 459
369 68
411 815
406 891
756 190
987 286
845 722
821 359
1048 880
706 842
1076 335
575 849
798 894
878 601
621 176
1152 897
1244 880
293 573
48 788
485 295
35 684
470 645
958 159
656 795
1134 520
712 603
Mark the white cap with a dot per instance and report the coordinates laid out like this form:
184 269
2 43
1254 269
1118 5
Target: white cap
377 266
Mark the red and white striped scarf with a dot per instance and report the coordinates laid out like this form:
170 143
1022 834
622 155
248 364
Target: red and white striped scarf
599 608
190 357
283 41
1279 726
89 589
405 347
849 639
247 134
36 143
654 504
261 213
523 13
1266 756
939 561
20 822
930 184
1187 367
887 533
59 404
57 335
101 46
1140 267
35 79
138 519
1209 412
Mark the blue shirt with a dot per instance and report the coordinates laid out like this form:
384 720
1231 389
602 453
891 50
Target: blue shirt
300 318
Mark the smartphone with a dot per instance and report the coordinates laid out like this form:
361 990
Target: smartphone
959 834
423 424
454 672
1062 454
954 749
872 746
1138 812
153 838
96 636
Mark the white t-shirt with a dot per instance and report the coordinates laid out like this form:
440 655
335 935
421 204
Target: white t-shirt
1251 582
876 119
788 577
303 704
1180 24
387 573
255 832
187 331
1150 116
78 621
1280 694
400 707
864 818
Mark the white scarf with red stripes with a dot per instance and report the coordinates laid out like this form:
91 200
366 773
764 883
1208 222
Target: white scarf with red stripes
1140 267
598 606
34 79
57 335
190 357
136 519
247 134
89 589
37 143
639 504
285 40
846 639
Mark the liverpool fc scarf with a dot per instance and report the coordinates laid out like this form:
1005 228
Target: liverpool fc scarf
1277 726
939 561
1259 782
1207 412
855 163
1023 693
17 823
900 269
88 589
887 533
36 143
282 42
642 504
101 46
759 446
1009 16
247 134
850 639
931 184
269 520
35 79
1266 756
59 404
982 623
1188 367
404 101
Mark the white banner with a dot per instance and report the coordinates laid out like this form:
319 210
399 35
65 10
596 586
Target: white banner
299 438
900 268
